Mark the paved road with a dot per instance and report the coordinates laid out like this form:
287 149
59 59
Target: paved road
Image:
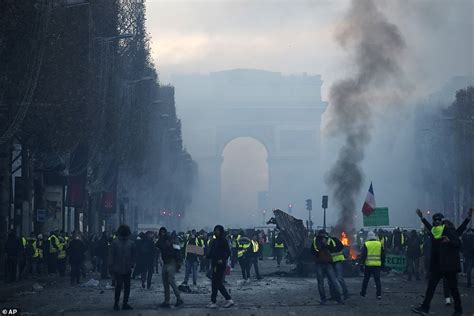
271 296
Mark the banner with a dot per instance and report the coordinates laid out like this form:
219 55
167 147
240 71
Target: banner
396 262
195 249
379 217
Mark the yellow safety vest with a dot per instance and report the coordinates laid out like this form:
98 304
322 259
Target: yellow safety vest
437 231
374 253
199 242
53 241
336 256
279 245
35 250
314 244
39 249
255 246
235 241
243 248
62 250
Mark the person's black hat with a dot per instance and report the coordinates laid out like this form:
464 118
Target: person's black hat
438 216
322 233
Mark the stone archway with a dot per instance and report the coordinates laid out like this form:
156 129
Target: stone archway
281 112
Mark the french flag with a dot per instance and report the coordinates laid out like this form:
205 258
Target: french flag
369 204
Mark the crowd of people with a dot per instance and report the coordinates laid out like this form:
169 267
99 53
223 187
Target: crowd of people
123 256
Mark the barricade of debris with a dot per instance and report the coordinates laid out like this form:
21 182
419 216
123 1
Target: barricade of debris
298 244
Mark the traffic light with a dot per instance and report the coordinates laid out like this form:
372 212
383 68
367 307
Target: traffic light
309 204
290 208
325 201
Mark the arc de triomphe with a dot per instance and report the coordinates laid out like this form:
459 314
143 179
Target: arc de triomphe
281 112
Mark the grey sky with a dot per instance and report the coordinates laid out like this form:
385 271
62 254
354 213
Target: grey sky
192 36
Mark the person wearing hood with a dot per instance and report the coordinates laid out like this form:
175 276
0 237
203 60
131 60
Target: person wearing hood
444 262
373 260
323 259
219 254
122 259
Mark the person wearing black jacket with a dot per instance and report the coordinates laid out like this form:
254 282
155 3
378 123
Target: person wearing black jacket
444 262
102 253
413 255
460 230
219 254
140 263
170 254
147 253
75 252
121 261
324 268
254 254
13 250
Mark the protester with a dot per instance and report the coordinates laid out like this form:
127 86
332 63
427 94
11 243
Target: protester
147 253
254 254
171 262
243 256
13 250
413 255
76 254
445 262
102 254
219 254
373 260
139 264
191 259
324 267
279 248
336 248
38 261
53 248
121 261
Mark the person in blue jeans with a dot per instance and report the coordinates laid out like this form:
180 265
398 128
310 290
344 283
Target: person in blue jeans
192 258
324 267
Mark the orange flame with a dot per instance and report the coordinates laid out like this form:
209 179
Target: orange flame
344 239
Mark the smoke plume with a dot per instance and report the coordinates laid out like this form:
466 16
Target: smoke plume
375 46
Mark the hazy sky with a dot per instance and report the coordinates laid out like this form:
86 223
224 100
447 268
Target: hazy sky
296 36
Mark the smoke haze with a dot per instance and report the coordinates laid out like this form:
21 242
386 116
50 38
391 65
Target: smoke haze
376 46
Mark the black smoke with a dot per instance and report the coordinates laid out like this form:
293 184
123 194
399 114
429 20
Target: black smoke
375 46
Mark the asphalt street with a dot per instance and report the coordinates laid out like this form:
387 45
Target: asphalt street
274 295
